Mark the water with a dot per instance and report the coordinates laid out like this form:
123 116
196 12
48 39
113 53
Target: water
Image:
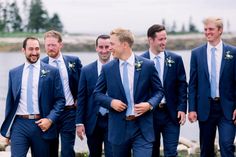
13 59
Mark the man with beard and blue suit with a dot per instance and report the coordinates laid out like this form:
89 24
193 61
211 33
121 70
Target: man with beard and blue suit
69 67
212 90
34 103
170 113
92 119
129 88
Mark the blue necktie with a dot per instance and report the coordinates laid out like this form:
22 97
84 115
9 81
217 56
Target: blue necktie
30 108
158 65
213 72
103 110
60 71
126 88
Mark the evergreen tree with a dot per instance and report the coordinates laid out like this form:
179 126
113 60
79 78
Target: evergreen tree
55 23
14 19
38 17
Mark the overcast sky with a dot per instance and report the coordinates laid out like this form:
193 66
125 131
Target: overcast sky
100 16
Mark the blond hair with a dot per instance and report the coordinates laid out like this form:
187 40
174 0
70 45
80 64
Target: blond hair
54 34
124 35
216 20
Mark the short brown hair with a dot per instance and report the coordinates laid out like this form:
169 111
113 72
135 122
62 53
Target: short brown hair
29 38
124 35
53 33
153 29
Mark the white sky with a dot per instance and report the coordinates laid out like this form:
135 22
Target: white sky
100 16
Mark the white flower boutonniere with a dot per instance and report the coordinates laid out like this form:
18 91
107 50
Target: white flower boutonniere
169 61
138 65
228 55
72 66
44 73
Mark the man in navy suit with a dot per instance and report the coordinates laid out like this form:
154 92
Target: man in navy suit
170 113
69 67
34 103
212 90
129 88
92 119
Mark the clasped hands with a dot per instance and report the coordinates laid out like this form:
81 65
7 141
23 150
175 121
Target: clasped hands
44 124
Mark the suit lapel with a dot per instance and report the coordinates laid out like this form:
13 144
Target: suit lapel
166 68
19 80
223 60
136 75
204 59
42 67
117 75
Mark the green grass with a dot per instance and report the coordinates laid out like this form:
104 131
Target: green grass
19 34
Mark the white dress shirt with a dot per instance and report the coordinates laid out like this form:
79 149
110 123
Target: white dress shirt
161 56
130 67
218 57
22 108
65 79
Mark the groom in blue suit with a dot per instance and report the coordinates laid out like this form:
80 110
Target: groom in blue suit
91 118
170 113
34 103
69 67
129 88
212 90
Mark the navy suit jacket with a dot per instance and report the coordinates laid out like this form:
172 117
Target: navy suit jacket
199 83
73 72
147 88
88 109
174 84
51 98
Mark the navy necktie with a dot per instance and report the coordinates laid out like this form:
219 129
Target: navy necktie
126 88
30 108
213 72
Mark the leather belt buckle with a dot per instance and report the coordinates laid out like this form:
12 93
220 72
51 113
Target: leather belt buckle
30 116
130 117
216 98
161 105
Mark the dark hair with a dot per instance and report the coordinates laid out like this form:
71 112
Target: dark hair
153 29
29 38
103 36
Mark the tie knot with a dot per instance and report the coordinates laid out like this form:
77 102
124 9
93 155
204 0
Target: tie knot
30 66
125 63
213 49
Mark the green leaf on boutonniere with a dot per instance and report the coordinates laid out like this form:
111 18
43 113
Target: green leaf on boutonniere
72 66
138 65
228 55
169 61
44 73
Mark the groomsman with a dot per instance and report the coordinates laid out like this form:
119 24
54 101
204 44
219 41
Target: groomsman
170 113
212 90
34 103
92 119
69 67
129 88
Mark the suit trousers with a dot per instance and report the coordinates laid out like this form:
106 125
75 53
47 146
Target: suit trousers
66 129
164 125
135 142
26 134
226 130
99 136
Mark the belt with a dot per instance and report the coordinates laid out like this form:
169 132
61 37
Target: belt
215 99
70 107
131 117
30 116
162 105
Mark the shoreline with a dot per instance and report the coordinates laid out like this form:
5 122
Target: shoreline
86 43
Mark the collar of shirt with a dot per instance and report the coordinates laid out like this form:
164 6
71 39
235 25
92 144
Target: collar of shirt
152 55
130 60
99 65
219 46
36 65
60 58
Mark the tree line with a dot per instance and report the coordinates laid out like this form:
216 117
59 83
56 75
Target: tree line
34 17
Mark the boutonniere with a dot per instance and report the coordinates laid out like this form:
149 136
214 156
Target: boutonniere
138 65
44 73
228 55
72 66
169 61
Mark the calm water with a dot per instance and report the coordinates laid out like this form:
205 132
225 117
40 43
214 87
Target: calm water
10 60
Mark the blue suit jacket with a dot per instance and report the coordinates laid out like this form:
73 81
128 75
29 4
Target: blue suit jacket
88 109
174 84
199 83
73 72
147 88
51 98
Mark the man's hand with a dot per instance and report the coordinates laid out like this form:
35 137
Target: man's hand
118 105
192 116
44 124
141 108
182 117
80 130
234 117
